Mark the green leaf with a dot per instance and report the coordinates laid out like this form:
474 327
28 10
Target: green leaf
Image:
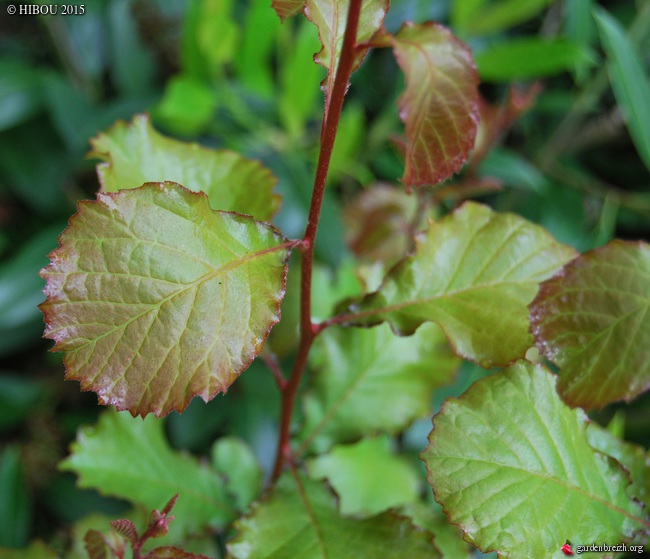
330 16
512 466
367 476
440 104
15 505
503 14
368 380
473 268
36 550
135 153
629 81
287 8
155 298
635 459
187 106
20 92
300 519
129 458
464 13
237 464
592 320
529 58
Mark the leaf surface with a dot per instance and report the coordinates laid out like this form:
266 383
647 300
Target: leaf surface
129 458
300 519
370 380
440 104
155 298
512 466
135 153
634 457
629 81
592 320
368 476
287 8
474 273
330 16
169 552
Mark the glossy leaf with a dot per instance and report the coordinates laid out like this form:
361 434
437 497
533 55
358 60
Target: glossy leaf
440 104
367 476
287 8
529 58
300 519
129 458
592 320
629 81
330 16
370 380
155 298
135 153
471 269
512 466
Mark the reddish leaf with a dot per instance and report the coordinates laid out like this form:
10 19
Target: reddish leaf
155 298
440 105
169 552
126 528
330 16
287 8
95 544
592 320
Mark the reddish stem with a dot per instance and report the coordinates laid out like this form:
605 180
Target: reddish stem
308 330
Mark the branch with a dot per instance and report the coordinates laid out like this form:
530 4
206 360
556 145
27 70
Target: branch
308 331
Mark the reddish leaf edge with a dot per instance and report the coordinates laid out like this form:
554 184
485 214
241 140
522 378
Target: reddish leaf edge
101 196
548 288
384 39
107 160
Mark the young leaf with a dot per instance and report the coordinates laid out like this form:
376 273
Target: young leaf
440 104
155 298
129 458
135 153
512 466
126 528
473 268
300 519
592 320
95 545
629 81
330 16
369 380
367 476
287 8
172 553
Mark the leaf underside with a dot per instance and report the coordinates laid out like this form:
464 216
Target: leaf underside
592 319
287 8
300 519
155 298
440 104
474 273
512 466
135 153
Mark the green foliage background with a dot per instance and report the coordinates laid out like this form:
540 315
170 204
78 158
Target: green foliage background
228 74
